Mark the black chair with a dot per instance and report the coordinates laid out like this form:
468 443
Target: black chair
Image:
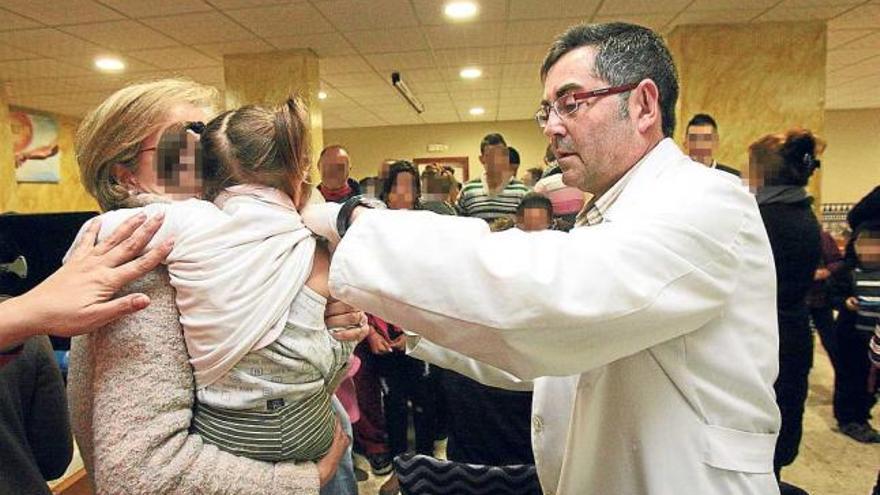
423 475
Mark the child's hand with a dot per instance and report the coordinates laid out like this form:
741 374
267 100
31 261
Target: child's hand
378 344
852 303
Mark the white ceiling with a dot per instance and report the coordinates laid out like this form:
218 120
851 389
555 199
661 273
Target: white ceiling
47 47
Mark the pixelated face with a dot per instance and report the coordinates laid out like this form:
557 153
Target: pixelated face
402 195
179 166
182 180
701 142
867 247
590 142
496 160
435 188
533 219
334 166
754 175
369 190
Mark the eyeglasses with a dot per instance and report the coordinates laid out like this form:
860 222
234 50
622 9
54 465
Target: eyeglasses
568 103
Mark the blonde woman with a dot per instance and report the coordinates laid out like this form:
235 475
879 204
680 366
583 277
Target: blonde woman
131 387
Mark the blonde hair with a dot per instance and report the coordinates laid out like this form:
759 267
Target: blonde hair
113 132
258 145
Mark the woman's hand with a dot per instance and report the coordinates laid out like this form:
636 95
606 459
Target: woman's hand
348 324
78 297
330 462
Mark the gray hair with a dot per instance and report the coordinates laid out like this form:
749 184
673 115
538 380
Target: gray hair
626 53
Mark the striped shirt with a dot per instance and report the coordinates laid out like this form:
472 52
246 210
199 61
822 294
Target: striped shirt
867 290
477 201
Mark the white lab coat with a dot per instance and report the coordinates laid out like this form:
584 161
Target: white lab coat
651 338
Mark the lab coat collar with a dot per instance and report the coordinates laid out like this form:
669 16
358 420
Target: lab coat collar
655 162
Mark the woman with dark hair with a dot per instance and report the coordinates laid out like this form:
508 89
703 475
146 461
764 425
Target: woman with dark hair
402 189
779 167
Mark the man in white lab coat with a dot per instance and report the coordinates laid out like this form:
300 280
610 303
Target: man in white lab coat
649 330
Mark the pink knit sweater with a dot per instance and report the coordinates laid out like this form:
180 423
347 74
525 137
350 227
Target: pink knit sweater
131 392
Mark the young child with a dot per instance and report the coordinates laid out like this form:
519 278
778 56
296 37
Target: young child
857 293
251 285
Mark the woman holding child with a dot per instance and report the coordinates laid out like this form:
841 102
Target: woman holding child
131 385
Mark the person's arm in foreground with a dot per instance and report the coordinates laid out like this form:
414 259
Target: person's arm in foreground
77 297
422 348
581 300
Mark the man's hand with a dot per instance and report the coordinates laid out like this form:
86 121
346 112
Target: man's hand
821 274
77 297
399 344
348 324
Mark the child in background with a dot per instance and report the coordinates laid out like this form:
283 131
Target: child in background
857 295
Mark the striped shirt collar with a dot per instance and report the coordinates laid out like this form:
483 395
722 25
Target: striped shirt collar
593 213
499 189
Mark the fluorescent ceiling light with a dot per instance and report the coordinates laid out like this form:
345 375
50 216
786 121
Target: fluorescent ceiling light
322 95
109 64
460 10
470 73
477 111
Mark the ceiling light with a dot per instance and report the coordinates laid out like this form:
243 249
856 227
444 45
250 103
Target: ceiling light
322 95
477 111
109 64
460 10
470 73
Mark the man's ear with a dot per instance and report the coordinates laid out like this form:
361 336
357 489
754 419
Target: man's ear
647 105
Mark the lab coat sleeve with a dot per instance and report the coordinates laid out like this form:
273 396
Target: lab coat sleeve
424 349
548 303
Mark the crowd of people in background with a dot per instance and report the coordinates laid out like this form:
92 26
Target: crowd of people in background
257 173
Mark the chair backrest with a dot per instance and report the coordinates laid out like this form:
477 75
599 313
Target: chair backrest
423 475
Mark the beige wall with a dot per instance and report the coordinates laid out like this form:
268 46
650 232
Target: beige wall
754 79
67 195
851 163
369 146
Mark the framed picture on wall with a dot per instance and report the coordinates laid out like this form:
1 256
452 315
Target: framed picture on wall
459 165
37 157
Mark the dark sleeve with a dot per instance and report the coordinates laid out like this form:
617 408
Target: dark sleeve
48 426
831 257
867 208
840 287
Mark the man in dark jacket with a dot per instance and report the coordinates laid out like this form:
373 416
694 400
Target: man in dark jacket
701 142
